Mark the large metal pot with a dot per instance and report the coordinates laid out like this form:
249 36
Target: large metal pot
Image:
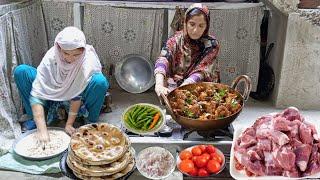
207 125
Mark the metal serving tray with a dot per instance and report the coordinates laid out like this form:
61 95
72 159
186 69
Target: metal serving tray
175 146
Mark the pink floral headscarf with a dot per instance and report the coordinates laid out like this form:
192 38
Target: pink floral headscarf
204 9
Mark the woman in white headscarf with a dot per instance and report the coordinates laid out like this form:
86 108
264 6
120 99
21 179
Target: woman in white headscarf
70 71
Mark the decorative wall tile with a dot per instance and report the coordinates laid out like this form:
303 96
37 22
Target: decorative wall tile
116 31
57 15
238 31
30 34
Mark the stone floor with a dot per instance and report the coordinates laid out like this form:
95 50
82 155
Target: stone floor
121 100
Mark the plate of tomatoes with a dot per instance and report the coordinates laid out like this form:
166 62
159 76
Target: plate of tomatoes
201 161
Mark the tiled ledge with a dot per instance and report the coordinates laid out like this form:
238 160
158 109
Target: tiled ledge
167 5
312 15
291 6
285 6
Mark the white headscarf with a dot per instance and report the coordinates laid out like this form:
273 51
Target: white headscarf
59 80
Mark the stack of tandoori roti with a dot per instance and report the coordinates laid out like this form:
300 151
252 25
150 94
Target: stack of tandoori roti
100 151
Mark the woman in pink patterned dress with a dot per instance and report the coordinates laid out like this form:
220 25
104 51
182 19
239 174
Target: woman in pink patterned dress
190 55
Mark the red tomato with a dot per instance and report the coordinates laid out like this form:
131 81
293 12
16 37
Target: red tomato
216 157
194 158
196 151
201 162
185 155
207 156
202 172
210 149
186 166
203 148
213 166
194 171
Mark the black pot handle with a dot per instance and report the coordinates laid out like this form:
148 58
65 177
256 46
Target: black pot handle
247 82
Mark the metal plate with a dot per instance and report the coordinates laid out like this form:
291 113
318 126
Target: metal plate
156 150
144 132
31 132
65 170
211 175
177 145
134 73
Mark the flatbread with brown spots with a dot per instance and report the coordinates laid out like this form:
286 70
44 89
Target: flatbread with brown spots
117 175
98 144
101 170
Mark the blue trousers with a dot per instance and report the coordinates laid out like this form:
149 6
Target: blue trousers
92 96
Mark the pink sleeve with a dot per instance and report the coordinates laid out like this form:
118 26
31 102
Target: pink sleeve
167 52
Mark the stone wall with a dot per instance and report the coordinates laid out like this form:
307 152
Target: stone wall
276 34
299 84
295 57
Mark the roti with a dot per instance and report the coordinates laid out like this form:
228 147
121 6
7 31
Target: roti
117 175
97 144
101 170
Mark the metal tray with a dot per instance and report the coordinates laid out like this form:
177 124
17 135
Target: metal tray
31 132
65 170
177 145
172 145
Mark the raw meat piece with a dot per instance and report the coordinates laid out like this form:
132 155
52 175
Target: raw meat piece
247 141
254 153
312 168
294 173
273 171
313 131
270 161
286 158
305 134
264 121
281 124
255 167
264 144
302 153
292 114
294 132
279 145
295 143
274 135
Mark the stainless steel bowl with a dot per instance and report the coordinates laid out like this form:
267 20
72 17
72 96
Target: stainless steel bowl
148 159
134 73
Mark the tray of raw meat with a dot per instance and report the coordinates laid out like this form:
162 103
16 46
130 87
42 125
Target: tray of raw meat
277 146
